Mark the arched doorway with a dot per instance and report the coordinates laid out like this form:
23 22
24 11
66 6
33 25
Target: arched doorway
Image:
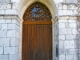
37 33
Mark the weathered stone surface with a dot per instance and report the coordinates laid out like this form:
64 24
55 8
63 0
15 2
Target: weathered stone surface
2 12
4 26
9 50
69 44
8 20
11 33
3 33
61 57
70 37
12 26
4 57
69 57
1 50
62 37
2 20
11 12
4 42
65 31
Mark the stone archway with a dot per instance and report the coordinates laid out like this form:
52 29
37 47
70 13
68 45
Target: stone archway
37 33
24 4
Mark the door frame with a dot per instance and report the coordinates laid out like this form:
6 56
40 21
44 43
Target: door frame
53 10
53 39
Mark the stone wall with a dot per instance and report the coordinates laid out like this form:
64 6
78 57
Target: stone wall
5 1
9 38
66 29
70 1
68 36
67 9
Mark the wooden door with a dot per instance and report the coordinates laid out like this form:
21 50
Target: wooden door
37 37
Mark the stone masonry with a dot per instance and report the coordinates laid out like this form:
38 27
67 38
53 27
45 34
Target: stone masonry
9 38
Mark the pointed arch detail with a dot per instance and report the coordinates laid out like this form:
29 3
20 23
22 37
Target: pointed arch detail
37 11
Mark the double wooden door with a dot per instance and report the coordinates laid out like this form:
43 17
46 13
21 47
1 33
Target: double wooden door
37 41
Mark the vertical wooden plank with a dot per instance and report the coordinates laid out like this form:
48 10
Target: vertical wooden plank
50 44
33 42
26 41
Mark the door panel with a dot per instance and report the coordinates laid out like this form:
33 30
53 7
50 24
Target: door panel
37 42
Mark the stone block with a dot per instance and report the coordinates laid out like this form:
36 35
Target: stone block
71 37
4 57
17 34
8 6
15 21
72 25
65 7
3 33
69 57
11 33
69 44
62 12
2 11
8 20
65 31
61 37
14 42
62 21
75 12
61 25
4 42
12 26
71 7
16 1
7 1
61 51
75 31
13 57
69 51
2 6
61 57
14 6
9 50
10 11
72 21
1 50
2 20
4 26
69 12
61 44
60 6
76 44
71 1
